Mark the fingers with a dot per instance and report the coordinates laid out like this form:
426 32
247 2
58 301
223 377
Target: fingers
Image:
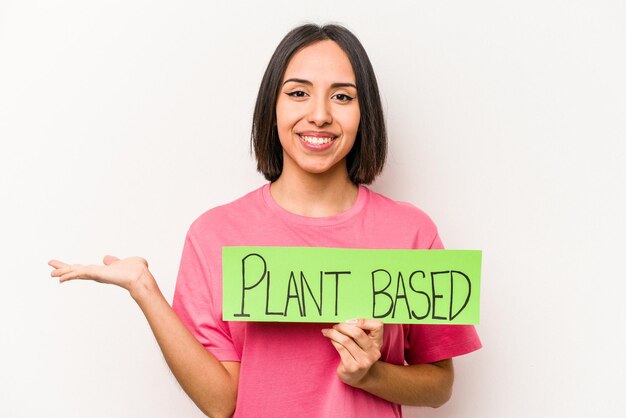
375 328
344 353
370 328
67 272
70 274
109 259
354 336
60 268
344 344
368 324
346 333
56 264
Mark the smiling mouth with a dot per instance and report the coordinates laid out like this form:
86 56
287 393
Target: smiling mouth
317 140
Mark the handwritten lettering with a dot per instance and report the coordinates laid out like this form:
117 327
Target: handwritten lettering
328 285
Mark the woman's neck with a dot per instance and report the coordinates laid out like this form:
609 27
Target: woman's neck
315 195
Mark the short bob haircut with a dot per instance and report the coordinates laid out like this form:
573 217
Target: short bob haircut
367 157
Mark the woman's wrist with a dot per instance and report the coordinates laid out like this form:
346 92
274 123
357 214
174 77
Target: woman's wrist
144 286
369 378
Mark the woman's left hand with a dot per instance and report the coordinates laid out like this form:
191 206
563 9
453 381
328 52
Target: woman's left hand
358 342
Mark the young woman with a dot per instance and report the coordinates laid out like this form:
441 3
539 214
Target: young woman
318 135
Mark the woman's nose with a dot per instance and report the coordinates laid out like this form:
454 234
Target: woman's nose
319 113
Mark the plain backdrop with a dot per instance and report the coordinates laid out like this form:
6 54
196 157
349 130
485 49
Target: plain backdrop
122 121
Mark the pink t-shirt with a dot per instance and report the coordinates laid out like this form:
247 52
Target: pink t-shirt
289 370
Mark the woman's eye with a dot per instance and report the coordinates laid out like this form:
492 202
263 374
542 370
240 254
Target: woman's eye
343 97
297 93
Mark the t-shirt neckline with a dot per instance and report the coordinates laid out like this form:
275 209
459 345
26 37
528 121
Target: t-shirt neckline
315 221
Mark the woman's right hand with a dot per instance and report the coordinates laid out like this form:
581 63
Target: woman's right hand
130 273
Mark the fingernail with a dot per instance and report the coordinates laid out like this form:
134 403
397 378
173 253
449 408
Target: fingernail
324 331
352 321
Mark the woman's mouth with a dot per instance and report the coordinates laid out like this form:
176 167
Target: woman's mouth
316 140
317 143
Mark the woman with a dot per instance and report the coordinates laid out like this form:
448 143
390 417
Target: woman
318 135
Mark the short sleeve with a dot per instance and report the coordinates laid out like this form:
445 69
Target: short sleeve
430 343
197 302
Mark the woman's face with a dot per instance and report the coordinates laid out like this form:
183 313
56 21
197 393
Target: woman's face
317 111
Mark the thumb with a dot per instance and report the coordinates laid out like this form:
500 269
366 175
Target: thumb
109 259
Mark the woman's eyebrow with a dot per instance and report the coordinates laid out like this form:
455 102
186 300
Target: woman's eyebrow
303 81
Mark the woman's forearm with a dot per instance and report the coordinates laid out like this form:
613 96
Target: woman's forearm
212 385
417 384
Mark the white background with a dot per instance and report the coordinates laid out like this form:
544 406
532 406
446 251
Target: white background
122 121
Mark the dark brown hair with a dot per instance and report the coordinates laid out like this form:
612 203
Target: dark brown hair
367 157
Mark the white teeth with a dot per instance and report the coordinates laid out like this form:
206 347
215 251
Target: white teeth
316 140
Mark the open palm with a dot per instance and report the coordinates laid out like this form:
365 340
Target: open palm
121 272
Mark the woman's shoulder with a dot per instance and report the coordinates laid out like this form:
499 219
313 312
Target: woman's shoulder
242 209
400 210
401 221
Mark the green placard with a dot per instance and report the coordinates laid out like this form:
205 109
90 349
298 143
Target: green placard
298 284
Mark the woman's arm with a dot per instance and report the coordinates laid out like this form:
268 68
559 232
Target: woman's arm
416 384
212 385
358 343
